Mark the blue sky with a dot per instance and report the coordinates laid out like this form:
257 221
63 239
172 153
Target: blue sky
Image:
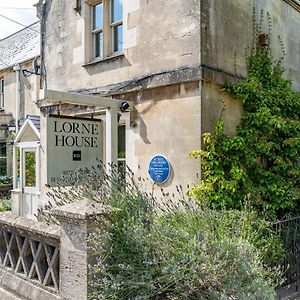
22 11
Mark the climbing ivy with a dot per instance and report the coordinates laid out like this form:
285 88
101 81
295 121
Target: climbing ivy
262 161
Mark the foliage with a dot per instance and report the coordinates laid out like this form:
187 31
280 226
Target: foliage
150 248
262 160
30 172
5 180
3 166
171 253
5 204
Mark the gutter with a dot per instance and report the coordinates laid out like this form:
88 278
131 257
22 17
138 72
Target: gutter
19 62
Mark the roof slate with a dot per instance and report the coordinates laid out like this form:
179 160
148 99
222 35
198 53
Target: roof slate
20 46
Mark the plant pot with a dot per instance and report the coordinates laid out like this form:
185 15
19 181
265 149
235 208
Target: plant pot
5 187
263 39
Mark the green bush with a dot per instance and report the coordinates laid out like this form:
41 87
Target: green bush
262 160
5 180
5 204
189 254
172 249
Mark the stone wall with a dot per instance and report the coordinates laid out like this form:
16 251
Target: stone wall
29 88
48 262
159 70
226 41
159 35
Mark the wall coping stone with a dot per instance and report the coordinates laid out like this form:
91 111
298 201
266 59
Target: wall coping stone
79 211
25 226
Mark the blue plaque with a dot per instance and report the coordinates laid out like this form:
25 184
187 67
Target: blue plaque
159 169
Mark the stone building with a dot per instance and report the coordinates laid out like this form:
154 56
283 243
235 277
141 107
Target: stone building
19 88
116 49
171 74
226 41
152 72
168 59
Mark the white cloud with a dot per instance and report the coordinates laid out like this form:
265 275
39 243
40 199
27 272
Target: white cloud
21 11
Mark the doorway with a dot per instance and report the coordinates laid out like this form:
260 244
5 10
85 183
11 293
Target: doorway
26 169
28 182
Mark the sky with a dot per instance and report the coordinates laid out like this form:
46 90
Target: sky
21 11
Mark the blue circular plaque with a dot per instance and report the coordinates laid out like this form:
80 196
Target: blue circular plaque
159 169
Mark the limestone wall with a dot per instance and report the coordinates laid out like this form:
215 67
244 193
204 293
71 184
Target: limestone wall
170 127
158 35
226 40
28 90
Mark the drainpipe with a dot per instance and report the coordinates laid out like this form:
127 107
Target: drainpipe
17 69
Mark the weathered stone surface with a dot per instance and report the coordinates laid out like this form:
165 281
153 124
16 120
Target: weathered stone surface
82 210
76 223
22 289
227 35
30 227
149 81
5 295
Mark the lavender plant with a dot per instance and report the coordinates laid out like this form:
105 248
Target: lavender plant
172 248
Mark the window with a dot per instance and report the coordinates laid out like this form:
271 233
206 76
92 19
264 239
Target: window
1 93
97 29
3 171
122 150
107 28
116 19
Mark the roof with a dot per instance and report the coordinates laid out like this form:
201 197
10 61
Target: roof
35 120
20 46
32 122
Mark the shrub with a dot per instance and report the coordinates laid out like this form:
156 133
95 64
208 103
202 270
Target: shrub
5 180
190 253
5 204
262 160
173 249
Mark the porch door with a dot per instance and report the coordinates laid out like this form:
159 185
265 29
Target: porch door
29 182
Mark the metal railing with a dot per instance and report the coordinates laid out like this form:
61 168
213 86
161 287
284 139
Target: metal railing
288 230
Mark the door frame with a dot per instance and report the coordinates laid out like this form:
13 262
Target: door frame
19 183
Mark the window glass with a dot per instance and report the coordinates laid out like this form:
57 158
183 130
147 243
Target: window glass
2 166
121 151
2 159
3 149
121 141
118 38
116 10
30 180
98 16
99 44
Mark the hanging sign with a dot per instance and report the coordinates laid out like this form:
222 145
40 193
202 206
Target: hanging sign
159 169
72 144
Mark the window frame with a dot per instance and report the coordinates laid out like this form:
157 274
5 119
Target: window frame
107 31
114 25
96 31
3 142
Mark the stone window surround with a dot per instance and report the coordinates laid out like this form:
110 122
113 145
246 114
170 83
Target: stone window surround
89 47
